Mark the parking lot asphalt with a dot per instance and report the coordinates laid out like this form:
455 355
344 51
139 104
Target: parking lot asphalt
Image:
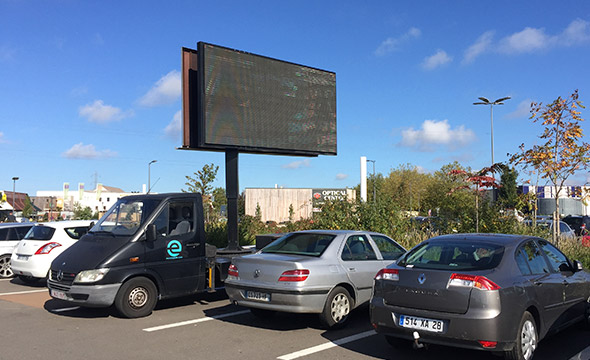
207 326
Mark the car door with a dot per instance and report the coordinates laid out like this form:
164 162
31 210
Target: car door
177 255
360 261
574 283
546 286
389 249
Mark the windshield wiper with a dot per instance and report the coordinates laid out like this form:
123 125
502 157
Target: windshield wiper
101 232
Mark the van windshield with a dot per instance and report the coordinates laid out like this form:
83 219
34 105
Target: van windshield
125 217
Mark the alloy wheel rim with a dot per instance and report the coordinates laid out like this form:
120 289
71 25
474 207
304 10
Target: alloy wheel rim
138 297
528 339
5 269
340 307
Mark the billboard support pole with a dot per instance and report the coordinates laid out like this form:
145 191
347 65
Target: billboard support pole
232 193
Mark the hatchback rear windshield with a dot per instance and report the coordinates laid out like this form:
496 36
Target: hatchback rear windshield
454 255
40 232
300 244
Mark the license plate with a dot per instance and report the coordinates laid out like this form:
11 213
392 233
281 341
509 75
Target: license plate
256 295
419 323
59 294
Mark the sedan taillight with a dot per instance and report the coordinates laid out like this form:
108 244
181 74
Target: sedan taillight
388 274
473 281
294 275
232 271
45 249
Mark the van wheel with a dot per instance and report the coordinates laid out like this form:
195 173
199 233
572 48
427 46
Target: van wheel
526 342
336 310
5 269
136 298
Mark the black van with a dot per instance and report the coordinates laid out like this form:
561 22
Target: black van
145 248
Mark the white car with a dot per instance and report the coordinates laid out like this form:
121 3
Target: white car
10 235
32 257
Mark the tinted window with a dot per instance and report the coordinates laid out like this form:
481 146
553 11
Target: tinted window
21 231
522 263
357 247
76 232
40 232
556 258
534 258
308 244
389 249
454 255
4 234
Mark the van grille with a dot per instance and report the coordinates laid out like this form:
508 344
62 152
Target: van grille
66 277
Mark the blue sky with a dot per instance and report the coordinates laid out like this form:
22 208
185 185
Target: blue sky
90 90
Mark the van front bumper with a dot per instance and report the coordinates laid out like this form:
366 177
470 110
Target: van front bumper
84 295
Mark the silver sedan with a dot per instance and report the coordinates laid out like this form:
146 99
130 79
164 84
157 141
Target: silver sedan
328 272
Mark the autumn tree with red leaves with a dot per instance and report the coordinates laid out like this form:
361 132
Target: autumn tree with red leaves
563 152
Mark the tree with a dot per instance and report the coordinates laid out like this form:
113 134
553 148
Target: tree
563 152
507 194
476 181
82 213
202 183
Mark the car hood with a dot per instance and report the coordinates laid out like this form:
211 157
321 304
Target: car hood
90 252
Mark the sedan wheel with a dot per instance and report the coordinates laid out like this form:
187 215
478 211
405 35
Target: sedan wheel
526 343
337 308
5 269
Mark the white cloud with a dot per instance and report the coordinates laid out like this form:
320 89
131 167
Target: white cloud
341 176
522 110
526 41
98 112
297 164
392 44
481 45
81 151
434 133
440 58
174 128
166 91
577 32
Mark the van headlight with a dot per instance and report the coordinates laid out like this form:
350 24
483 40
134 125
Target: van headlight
90 276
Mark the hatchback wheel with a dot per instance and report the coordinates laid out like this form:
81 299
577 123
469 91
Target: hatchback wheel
5 269
336 309
526 342
136 298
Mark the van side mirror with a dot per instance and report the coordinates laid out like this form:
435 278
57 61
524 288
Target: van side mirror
578 266
151 233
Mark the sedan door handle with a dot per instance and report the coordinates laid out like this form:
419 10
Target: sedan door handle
351 269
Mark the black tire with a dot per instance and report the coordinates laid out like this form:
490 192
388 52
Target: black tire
28 279
398 343
5 268
136 298
262 313
526 340
337 308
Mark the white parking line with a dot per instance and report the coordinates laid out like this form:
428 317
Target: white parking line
195 321
582 355
5 279
65 309
327 345
24 292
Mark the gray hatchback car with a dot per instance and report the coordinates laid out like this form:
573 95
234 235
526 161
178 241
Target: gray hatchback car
328 272
494 292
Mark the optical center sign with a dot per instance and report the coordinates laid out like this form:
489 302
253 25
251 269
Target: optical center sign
320 196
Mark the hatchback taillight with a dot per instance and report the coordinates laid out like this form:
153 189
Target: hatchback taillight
233 271
45 249
294 275
388 274
473 281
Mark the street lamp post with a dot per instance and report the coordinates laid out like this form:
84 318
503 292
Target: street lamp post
485 101
374 196
149 175
14 179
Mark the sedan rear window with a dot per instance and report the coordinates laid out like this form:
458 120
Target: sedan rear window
301 244
454 255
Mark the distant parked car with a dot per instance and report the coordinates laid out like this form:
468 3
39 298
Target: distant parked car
564 229
493 292
10 235
328 272
33 255
575 222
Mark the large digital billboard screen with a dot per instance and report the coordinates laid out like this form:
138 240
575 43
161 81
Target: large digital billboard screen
256 104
